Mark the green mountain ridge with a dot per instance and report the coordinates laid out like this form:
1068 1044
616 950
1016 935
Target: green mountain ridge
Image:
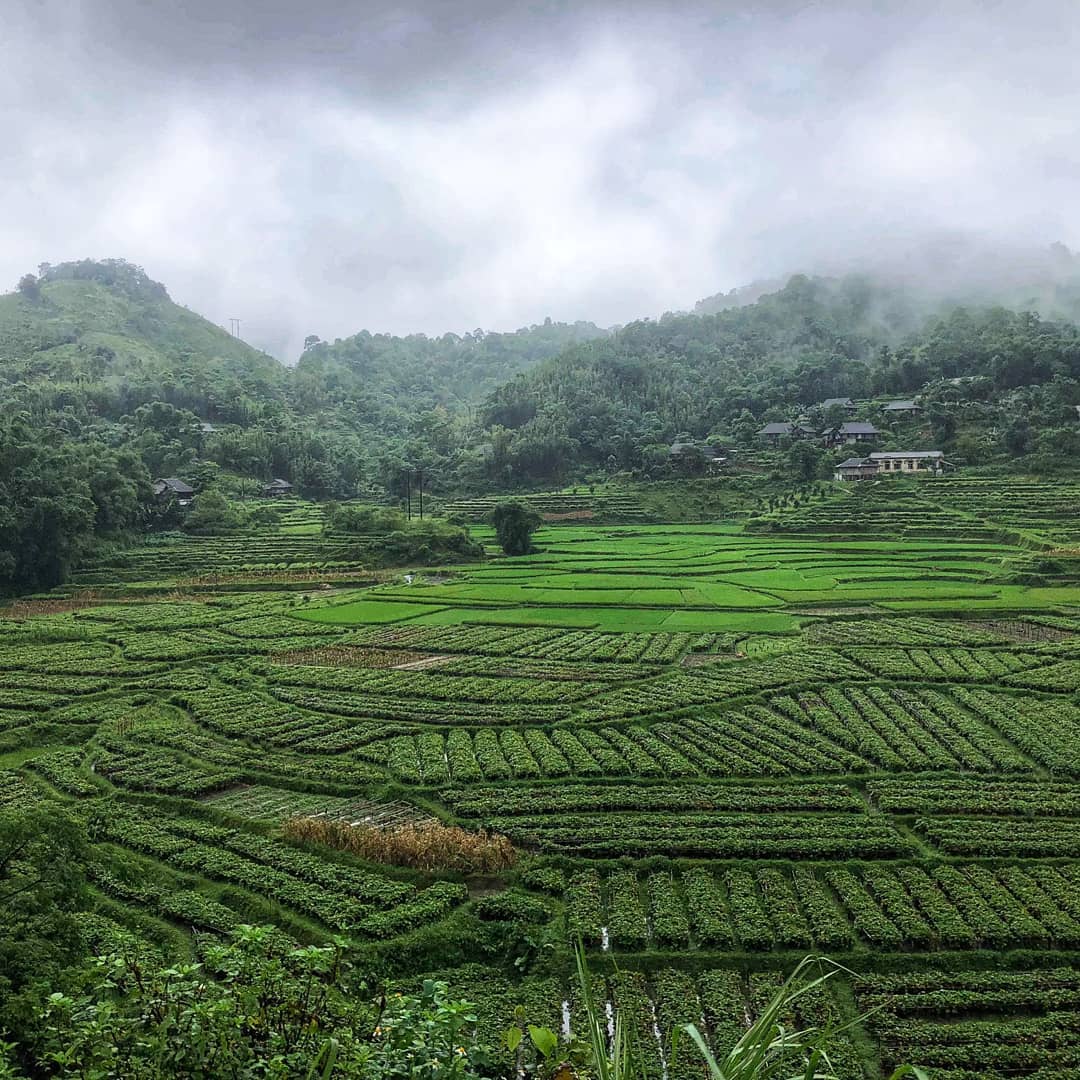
108 324
99 351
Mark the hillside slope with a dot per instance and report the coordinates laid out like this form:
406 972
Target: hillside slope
108 325
996 384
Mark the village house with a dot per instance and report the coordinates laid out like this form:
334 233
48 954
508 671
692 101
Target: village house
277 487
773 433
170 487
902 408
682 450
856 468
844 403
910 461
890 462
851 431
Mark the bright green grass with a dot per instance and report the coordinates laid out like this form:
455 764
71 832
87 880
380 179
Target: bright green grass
626 620
907 588
368 611
579 618
636 577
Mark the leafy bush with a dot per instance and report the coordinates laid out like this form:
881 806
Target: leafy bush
514 524
512 906
253 1007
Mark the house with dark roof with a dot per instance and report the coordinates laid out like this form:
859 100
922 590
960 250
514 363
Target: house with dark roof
851 431
277 487
773 433
681 451
843 402
902 408
856 468
171 487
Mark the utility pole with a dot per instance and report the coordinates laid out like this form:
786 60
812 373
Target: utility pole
408 494
234 327
420 479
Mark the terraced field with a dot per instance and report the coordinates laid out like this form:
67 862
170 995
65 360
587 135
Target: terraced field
715 750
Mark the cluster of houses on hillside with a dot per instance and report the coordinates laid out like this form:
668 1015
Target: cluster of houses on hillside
849 432
169 488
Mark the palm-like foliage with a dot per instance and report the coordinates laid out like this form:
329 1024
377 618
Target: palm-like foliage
769 1050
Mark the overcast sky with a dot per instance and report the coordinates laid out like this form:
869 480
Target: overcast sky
323 167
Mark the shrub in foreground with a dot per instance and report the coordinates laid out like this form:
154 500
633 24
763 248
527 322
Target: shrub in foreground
250 1008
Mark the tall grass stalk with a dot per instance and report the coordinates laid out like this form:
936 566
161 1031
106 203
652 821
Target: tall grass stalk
767 1051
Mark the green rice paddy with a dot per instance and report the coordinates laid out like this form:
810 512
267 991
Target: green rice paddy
708 578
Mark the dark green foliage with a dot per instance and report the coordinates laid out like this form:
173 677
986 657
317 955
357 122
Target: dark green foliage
394 540
56 494
42 852
211 514
512 906
252 1007
514 524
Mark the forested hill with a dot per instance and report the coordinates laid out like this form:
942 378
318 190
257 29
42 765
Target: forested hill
108 329
996 383
98 349
452 370
106 384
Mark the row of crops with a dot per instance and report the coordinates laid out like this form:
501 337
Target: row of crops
169 556
964 507
835 908
1046 508
538 643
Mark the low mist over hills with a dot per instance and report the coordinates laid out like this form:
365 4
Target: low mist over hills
900 288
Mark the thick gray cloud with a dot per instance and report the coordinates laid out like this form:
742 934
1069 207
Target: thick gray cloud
329 166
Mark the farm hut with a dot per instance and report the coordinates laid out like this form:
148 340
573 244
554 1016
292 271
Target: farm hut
856 468
775 432
277 487
171 487
678 449
844 403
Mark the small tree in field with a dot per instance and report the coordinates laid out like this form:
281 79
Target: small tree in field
514 525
